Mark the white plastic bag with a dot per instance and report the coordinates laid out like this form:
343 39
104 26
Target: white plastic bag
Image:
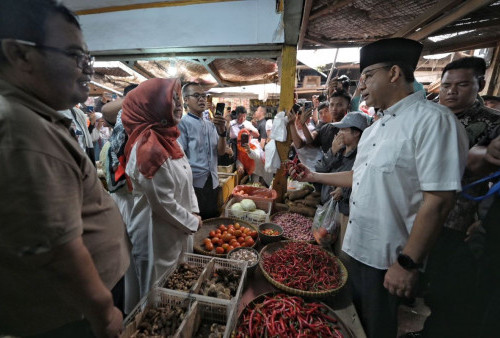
278 132
272 158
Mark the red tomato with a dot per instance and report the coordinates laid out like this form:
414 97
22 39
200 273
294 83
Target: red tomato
229 248
237 233
219 250
222 228
237 245
254 234
209 246
225 246
215 240
212 233
237 226
206 240
249 241
227 238
241 239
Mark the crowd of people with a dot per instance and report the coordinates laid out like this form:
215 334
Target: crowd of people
74 257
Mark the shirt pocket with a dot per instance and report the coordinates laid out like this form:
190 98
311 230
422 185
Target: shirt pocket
386 155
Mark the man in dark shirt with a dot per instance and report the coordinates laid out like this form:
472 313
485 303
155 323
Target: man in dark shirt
259 116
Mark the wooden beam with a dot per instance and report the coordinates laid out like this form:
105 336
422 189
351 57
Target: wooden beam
477 25
305 22
288 64
460 44
329 9
161 4
460 12
493 78
428 15
318 42
141 70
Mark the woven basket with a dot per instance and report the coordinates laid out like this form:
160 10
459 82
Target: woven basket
344 329
212 224
273 216
272 247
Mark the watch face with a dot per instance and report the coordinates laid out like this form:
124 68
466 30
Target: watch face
406 262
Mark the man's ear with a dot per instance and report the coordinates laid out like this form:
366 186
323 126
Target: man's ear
18 56
396 73
482 82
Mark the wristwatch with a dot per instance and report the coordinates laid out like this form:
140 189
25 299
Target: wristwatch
407 263
224 134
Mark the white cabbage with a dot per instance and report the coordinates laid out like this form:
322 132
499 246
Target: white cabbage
237 210
248 205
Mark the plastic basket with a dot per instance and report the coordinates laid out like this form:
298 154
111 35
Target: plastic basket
209 312
247 216
154 299
225 168
221 263
271 194
193 259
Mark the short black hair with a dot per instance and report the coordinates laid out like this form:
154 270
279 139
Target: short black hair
25 19
323 105
341 93
127 89
478 65
240 110
186 86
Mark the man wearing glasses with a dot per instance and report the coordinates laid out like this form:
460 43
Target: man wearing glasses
404 180
203 141
63 245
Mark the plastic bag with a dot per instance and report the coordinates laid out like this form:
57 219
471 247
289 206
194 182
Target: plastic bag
326 223
278 132
272 162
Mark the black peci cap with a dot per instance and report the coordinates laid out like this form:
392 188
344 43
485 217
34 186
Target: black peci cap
400 50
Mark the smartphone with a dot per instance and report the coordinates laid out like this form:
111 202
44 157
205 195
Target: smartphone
296 108
244 139
219 109
308 105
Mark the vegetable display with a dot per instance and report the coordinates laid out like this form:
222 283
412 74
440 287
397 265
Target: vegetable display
210 330
226 238
222 284
287 316
245 255
303 266
303 201
161 321
295 226
270 232
184 277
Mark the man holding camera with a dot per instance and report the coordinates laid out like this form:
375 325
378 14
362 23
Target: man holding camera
202 141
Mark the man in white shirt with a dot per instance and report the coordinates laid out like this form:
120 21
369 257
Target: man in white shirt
404 180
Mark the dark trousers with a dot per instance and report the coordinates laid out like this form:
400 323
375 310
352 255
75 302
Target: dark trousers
376 307
207 199
451 275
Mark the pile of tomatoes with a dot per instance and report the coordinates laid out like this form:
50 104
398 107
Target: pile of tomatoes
270 232
226 238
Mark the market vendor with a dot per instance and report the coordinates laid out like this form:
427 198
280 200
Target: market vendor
404 180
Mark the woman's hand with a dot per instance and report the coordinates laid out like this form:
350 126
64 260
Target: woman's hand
291 116
240 170
247 148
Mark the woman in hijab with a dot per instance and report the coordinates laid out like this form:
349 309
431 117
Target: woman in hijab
162 219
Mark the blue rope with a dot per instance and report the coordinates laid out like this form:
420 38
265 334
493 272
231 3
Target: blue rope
495 189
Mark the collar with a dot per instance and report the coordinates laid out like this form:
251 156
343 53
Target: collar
193 116
401 107
472 110
17 94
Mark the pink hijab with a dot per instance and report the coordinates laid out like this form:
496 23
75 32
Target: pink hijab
147 117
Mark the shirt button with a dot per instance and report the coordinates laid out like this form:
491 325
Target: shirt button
357 183
366 164
383 124
353 202
374 144
394 115
350 221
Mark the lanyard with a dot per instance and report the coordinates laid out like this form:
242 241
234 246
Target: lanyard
495 189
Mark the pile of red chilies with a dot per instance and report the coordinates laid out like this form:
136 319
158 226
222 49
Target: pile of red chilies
303 266
287 316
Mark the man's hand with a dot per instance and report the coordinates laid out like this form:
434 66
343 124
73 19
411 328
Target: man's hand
401 282
493 152
337 143
305 116
92 118
315 101
220 124
301 173
240 170
112 329
337 194
247 148
291 116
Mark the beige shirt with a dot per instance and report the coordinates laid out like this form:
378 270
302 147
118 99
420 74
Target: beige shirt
50 196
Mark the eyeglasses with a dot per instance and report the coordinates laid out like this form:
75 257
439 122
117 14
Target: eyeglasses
368 74
82 59
198 95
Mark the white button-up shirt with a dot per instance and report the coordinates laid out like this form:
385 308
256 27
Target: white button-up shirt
416 146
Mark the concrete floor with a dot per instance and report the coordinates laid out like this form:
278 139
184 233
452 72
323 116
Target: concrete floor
412 318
